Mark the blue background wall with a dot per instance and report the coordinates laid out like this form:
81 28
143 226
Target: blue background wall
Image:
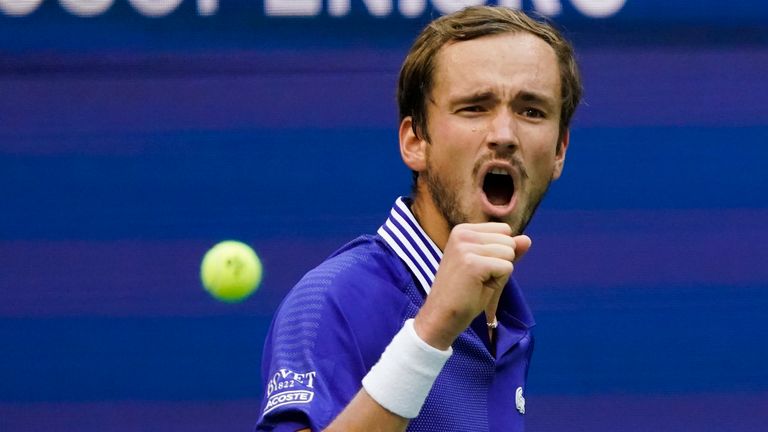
129 145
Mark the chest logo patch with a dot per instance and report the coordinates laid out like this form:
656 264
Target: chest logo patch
520 400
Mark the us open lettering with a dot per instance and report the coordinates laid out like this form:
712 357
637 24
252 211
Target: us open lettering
415 8
314 8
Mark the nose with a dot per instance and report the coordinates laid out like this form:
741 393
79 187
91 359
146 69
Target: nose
502 133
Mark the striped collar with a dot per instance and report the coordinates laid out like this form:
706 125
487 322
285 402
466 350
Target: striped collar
408 240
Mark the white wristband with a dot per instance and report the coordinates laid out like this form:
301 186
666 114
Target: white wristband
405 372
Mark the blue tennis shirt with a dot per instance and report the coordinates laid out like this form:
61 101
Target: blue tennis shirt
333 326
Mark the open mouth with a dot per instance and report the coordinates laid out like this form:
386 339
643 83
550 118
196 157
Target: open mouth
498 187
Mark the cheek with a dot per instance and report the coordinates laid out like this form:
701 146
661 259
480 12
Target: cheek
544 148
450 152
443 165
542 161
451 168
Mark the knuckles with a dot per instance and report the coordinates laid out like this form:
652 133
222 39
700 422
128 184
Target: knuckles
468 247
463 233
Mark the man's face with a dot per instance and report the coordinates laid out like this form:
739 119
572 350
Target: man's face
493 119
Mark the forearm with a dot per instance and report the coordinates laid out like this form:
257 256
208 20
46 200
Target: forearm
365 414
397 386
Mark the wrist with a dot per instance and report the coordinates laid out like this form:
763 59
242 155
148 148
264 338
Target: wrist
403 376
432 331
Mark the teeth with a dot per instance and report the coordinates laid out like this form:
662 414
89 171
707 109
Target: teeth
499 171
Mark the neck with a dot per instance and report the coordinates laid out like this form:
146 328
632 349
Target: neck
430 218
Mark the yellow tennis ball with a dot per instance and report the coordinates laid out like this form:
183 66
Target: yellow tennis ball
231 271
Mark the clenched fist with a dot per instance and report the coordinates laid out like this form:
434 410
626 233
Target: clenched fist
477 262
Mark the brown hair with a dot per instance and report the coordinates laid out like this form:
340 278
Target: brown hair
416 74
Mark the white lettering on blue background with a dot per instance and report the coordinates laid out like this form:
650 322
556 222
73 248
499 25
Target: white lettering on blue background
86 8
289 387
19 7
414 8
286 398
314 8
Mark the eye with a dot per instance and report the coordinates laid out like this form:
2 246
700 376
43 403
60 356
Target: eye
472 109
533 113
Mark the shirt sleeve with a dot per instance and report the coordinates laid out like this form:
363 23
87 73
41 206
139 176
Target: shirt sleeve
312 366
329 331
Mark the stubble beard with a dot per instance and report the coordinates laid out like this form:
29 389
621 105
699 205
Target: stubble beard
445 196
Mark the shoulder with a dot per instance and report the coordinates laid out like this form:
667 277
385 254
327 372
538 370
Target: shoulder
332 326
362 269
361 288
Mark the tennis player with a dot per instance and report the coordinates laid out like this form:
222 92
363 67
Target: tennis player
421 327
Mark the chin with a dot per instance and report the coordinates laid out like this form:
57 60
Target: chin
514 223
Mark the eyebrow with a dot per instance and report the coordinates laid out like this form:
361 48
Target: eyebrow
478 97
487 95
534 97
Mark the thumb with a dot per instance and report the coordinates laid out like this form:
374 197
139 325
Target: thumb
522 244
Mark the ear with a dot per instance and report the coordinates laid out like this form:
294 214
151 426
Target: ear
562 148
412 148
